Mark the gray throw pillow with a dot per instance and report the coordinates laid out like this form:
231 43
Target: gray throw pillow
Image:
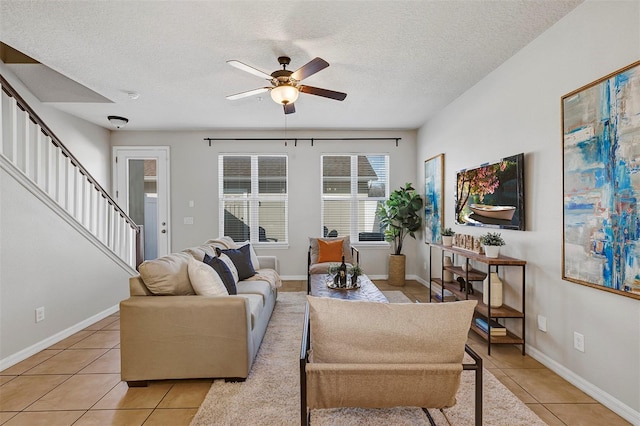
241 258
223 271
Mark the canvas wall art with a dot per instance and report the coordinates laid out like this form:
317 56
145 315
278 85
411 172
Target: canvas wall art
433 193
601 183
492 194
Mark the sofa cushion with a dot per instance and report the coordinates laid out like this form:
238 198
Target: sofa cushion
205 280
221 268
346 248
199 251
241 258
167 275
227 260
262 288
358 332
256 304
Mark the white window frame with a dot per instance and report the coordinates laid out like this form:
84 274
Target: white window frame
353 197
253 199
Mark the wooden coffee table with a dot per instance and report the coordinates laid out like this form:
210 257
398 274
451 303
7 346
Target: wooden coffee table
367 291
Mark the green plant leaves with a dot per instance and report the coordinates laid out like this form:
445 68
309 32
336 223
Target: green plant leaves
400 215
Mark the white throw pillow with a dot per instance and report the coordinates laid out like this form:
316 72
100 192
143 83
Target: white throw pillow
254 257
205 280
234 271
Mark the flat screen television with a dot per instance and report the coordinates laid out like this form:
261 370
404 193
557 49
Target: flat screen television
492 194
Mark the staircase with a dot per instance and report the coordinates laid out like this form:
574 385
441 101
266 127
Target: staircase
33 155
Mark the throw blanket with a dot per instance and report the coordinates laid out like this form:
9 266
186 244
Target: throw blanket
268 275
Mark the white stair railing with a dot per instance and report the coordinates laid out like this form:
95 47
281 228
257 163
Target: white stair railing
33 151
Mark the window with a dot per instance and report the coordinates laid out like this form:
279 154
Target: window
352 188
253 197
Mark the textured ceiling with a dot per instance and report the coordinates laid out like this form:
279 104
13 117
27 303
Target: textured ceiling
399 61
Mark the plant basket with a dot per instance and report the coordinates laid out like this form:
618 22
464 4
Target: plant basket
397 270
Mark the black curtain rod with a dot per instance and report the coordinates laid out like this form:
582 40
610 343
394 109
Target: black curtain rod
295 140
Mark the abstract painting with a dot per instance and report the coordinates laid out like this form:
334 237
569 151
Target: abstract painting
433 190
601 183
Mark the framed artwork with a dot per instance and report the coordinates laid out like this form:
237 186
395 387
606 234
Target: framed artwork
492 194
601 183
433 193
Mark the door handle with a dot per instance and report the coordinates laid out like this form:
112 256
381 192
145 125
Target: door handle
164 231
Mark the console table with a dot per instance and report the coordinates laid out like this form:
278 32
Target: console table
482 309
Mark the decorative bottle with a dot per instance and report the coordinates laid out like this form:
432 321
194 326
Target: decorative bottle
342 273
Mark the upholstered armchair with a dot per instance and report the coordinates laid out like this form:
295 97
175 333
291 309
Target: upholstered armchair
352 355
325 251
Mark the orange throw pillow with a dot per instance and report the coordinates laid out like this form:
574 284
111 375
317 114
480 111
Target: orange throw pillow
329 251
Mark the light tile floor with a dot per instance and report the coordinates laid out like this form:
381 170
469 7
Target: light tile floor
77 382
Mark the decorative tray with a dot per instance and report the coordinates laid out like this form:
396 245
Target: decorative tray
349 286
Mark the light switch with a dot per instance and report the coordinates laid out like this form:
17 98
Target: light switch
188 220
191 203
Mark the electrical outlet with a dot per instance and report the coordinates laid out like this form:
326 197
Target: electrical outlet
542 323
40 314
424 266
578 341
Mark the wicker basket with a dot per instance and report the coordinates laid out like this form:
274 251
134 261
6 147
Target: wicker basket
396 269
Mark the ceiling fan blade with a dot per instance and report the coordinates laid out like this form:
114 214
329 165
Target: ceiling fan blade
249 69
247 93
310 68
331 94
289 108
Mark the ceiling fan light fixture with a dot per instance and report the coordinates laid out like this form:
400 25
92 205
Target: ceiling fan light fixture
117 121
284 94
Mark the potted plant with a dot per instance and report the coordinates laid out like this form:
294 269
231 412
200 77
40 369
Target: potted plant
355 271
400 216
491 242
332 269
447 237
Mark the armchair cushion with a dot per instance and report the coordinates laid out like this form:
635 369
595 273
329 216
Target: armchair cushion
382 385
346 248
358 332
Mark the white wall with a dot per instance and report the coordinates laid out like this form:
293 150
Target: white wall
517 109
194 176
45 262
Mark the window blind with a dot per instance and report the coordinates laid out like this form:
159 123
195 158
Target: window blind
352 188
253 195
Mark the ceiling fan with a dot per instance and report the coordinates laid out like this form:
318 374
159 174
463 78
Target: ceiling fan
285 84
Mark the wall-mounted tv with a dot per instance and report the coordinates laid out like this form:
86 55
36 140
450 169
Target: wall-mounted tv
492 194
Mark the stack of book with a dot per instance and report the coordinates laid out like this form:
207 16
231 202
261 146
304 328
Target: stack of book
448 296
497 329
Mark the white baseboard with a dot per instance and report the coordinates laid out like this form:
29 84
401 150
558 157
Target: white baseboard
13 359
593 391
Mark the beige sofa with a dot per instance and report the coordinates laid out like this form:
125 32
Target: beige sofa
169 332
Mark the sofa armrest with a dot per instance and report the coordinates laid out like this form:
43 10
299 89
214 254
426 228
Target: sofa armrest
164 337
269 262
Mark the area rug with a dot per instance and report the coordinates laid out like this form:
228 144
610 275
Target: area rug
396 297
270 395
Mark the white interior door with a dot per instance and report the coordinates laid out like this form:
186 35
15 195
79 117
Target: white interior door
141 187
